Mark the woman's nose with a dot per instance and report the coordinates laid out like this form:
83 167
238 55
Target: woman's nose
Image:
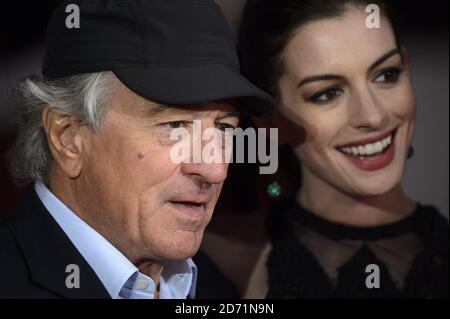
367 111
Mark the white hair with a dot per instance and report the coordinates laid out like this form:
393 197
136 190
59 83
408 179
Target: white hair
82 96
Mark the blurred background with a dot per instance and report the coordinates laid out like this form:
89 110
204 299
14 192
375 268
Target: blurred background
423 30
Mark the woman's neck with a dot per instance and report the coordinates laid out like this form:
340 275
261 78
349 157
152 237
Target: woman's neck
334 205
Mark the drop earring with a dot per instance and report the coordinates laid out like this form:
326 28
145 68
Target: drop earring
410 151
274 190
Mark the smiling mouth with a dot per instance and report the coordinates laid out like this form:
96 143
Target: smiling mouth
373 153
370 150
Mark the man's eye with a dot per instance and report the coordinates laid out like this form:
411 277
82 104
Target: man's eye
174 124
224 126
389 76
325 96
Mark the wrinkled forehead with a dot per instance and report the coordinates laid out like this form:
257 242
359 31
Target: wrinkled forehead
337 44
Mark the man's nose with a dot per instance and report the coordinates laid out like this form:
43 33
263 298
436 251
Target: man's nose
211 173
367 111
211 170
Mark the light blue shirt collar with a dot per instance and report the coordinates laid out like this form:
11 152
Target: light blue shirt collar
120 277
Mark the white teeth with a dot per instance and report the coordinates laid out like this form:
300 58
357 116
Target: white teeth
368 149
378 147
361 151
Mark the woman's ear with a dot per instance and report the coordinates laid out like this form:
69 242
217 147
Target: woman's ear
64 140
275 121
405 58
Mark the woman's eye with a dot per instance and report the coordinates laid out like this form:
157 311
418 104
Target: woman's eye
388 76
325 96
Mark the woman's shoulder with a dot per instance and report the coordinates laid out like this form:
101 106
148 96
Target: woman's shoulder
434 227
434 212
432 220
258 285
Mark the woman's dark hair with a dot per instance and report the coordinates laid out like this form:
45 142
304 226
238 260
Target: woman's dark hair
268 25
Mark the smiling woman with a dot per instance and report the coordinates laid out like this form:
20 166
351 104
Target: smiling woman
347 109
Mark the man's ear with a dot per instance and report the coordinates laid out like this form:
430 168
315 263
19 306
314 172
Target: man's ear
64 140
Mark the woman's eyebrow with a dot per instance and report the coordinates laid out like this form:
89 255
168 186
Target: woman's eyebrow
383 58
330 77
322 77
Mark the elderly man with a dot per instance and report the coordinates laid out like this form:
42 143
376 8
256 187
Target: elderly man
109 214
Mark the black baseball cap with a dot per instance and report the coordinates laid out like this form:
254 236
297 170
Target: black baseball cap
176 52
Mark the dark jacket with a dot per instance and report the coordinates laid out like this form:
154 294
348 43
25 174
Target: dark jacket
35 251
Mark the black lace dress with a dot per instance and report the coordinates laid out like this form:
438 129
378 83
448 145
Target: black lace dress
315 258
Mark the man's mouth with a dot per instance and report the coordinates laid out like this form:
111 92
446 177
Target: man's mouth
188 204
371 153
192 209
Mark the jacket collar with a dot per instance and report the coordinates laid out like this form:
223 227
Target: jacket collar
48 251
